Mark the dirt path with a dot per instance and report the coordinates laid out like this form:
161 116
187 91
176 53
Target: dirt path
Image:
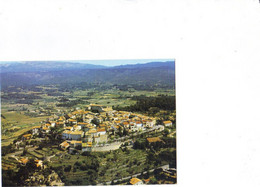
19 152
48 158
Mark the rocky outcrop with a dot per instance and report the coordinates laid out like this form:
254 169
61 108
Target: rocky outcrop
38 179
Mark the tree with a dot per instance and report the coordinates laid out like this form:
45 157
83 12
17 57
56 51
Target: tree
159 121
168 156
86 153
83 167
126 150
113 131
153 180
77 163
153 110
131 170
166 132
95 121
78 147
131 116
45 162
120 133
139 145
24 171
115 157
9 177
74 151
118 174
41 145
77 182
79 119
157 173
24 152
125 132
102 173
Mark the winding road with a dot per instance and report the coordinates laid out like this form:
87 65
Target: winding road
135 175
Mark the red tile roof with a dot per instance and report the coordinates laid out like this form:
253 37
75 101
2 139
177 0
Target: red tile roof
134 180
154 139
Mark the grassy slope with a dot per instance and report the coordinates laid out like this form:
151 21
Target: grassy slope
111 168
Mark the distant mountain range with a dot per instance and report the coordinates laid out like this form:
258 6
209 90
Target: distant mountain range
53 72
150 65
45 66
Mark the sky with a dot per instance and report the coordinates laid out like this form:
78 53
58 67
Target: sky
106 62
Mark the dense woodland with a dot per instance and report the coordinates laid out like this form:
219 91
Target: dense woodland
153 104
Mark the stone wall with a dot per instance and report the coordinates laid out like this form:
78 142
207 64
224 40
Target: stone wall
109 147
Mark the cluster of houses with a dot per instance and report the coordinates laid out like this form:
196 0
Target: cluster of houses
38 163
95 127
83 129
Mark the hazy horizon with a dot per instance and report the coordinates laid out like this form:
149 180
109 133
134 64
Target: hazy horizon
98 62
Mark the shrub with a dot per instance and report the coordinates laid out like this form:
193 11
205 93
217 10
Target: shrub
78 163
67 168
83 167
24 152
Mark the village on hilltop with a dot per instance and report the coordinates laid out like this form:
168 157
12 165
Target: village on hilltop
93 129
73 125
88 129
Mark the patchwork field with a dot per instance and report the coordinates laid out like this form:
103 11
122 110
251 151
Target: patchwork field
116 97
15 124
